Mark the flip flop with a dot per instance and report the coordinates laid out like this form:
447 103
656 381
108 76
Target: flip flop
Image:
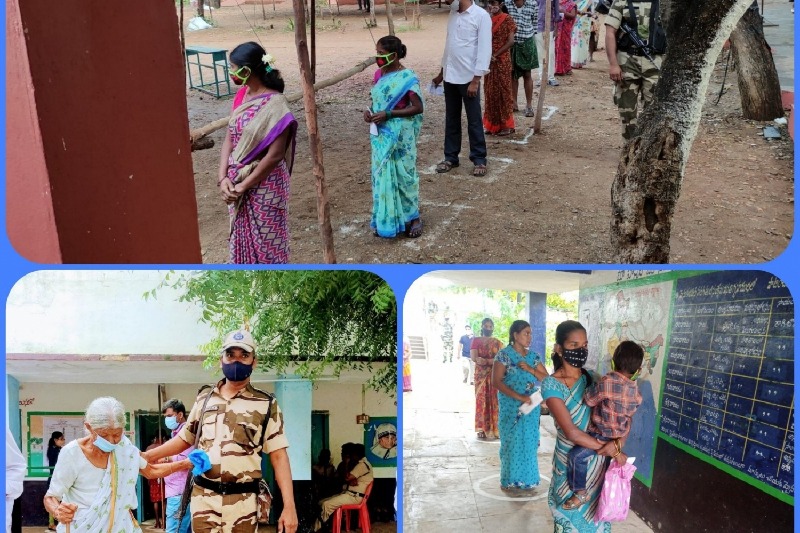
505 132
529 112
445 166
479 171
581 499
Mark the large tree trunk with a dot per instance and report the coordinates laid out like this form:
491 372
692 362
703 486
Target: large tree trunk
759 86
314 142
648 180
200 9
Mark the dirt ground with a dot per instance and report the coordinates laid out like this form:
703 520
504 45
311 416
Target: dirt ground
546 198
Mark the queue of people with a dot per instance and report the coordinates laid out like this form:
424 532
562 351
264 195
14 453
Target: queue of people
592 415
499 44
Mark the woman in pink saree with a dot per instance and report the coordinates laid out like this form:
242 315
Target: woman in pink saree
256 159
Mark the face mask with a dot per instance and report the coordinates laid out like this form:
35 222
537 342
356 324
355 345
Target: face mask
236 76
487 332
171 422
237 371
576 358
104 445
384 60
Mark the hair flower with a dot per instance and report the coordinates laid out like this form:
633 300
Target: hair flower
268 60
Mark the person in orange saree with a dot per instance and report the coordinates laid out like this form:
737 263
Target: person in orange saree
564 37
498 115
483 351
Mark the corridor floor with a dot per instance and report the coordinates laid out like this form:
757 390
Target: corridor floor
450 478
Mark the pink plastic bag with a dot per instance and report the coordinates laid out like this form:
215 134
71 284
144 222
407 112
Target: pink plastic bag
615 498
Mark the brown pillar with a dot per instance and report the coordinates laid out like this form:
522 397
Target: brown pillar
99 165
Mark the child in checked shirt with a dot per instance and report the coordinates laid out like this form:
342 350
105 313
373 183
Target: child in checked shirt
613 400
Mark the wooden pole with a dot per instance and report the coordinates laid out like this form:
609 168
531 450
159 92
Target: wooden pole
264 10
201 132
389 17
537 122
310 106
183 37
313 12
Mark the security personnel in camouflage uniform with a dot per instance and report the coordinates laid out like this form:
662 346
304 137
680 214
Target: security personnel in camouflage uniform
633 73
230 417
447 339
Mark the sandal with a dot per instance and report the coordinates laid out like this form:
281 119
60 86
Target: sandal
481 435
505 133
445 166
414 229
576 501
529 112
479 171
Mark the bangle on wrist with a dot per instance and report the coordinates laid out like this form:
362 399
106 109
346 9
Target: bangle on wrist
616 454
388 114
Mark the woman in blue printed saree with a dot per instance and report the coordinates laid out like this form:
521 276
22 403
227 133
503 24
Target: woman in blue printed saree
516 374
563 393
397 114
93 488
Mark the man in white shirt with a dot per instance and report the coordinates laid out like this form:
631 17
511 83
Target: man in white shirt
467 53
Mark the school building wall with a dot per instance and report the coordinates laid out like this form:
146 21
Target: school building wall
678 487
99 167
342 401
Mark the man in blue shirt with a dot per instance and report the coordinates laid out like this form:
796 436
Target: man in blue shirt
465 342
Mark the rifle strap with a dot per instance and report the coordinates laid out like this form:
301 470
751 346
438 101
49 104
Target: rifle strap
634 18
187 489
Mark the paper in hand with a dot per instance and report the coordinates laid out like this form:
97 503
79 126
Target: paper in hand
436 90
536 399
373 128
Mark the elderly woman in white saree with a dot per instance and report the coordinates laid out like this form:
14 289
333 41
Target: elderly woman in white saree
94 482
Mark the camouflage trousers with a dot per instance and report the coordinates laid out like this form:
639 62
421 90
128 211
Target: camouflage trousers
639 77
215 513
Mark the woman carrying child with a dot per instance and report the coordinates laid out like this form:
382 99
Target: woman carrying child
563 392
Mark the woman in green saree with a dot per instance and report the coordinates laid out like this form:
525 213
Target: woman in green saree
397 114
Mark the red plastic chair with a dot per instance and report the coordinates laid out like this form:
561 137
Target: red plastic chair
363 514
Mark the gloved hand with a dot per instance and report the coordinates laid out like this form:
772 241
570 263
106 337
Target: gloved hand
201 462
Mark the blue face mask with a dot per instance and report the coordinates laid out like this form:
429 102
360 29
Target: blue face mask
104 445
171 422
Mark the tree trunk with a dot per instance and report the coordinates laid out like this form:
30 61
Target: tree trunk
648 180
264 10
389 17
313 11
545 77
200 9
759 86
310 106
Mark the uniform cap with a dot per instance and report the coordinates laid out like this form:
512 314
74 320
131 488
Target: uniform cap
239 339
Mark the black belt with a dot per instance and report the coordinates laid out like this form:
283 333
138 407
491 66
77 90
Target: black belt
356 493
226 488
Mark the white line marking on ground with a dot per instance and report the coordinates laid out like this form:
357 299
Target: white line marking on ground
540 492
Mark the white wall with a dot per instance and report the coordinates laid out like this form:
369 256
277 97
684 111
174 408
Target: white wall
100 312
342 401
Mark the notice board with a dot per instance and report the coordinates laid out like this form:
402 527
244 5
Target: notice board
728 392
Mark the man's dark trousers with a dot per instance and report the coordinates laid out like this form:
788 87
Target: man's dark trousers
454 95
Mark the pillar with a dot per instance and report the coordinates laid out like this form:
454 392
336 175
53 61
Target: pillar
294 399
13 412
537 316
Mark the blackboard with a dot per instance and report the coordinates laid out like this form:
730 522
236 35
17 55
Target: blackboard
729 380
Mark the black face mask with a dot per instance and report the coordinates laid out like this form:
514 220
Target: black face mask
487 332
576 358
237 371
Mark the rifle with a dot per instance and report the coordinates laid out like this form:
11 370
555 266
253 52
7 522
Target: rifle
637 41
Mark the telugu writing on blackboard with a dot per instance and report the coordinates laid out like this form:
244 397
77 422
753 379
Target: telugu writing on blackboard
729 380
